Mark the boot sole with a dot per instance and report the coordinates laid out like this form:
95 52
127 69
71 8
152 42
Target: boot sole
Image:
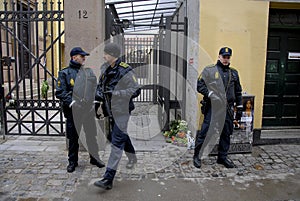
104 187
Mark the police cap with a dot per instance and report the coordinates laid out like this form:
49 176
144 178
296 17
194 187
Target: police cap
112 49
78 50
225 51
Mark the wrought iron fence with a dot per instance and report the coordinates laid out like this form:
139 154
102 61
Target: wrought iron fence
31 54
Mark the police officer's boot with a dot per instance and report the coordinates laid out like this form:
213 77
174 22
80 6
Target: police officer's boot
196 159
71 167
132 161
104 183
99 163
226 162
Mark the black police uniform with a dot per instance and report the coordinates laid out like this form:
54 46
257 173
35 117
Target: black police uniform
233 90
83 112
120 86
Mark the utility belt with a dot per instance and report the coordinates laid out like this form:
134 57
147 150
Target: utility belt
206 104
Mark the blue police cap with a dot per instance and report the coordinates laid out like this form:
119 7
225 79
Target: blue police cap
225 51
78 50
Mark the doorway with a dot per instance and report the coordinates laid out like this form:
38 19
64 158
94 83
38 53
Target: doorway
282 82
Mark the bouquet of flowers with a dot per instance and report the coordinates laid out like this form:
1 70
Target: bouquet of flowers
178 133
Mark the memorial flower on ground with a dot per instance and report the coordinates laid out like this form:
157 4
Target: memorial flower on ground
177 133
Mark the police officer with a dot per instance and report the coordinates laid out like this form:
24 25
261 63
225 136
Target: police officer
116 88
219 84
64 92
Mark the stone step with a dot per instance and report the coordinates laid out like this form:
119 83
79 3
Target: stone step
280 134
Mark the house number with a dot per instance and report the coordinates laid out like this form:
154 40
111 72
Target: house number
82 14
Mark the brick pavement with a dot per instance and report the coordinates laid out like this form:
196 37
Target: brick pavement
34 168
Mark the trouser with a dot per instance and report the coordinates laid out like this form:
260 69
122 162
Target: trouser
120 141
224 142
73 140
87 121
128 148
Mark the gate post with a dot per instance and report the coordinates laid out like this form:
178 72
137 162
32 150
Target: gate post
1 101
167 71
84 26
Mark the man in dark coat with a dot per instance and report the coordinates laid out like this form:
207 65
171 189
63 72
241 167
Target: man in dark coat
221 88
116 88
77 110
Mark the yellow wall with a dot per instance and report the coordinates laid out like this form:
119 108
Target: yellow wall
243 26
57 45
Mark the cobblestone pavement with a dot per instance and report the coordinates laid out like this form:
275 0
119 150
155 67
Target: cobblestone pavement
34 168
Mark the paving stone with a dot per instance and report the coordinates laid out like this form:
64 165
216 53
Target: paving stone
53 182
45 171
58 199
26 148
4 147
269 161
10 199
27 199
58 171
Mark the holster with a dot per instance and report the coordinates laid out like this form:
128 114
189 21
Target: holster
205 105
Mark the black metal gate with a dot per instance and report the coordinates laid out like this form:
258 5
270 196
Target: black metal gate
172 69
31 54
140 53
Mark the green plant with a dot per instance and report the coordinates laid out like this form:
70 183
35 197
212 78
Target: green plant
176 126
44 88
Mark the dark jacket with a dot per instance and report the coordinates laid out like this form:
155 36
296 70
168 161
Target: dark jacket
122 85
65 84
215 78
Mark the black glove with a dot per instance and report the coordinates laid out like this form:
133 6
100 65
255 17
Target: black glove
204 107
97 105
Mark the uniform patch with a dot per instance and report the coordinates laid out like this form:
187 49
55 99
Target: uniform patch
124 65
72 82
217 75
226 49
58 83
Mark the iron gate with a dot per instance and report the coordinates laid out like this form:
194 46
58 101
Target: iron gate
140 54
172 69
31 54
